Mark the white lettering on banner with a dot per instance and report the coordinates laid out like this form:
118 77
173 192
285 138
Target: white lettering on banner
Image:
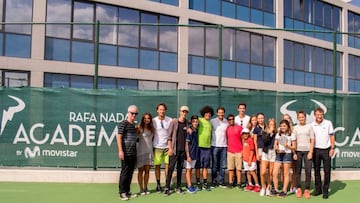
57 153
88 117
58 137
356 135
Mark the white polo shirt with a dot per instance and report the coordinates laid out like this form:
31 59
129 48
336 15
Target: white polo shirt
322 132
243 122
218 134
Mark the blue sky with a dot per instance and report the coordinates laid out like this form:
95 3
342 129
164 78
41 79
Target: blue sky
355 2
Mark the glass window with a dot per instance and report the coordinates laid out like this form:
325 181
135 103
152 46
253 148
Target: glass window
228 44
1 43
128 34
56 80
269 51
17 45
243 2
18 11
298 9
212 42
299 56
309 79
106 83
243 13
329 81
107 14
213 6
211 67
228 9
107 54
319 60
256 72
82 52
15 79
256 4
256 16
256 49
149 59
228 69
79 81
197 5
128 57
336 18
328 62
57 49
196 40
288 76
288 8
127 84
269 74
319 80
243 71
83 12
168 34
269 19
243 46
318 17
299 78
268 5
167 86
58 11
168 61
149 33
196 65
327 16
148 85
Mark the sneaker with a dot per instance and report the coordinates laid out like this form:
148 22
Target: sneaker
146 191
262 192
142 192
198 187
191 189
256 188
273 192
207 187
213 185
282 194
299 193
129 194
249 188
307 194
158 188
239 186
293 190
267 192
180 191
166 192
124 197
223 186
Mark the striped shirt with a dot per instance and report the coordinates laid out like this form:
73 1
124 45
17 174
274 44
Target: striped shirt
128 132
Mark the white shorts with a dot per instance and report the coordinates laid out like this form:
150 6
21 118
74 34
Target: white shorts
189 165
270 156
252 167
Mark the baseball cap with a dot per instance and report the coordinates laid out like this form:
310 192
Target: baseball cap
184 108
245 130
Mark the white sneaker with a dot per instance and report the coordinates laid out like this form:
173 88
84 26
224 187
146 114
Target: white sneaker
267 192
262 192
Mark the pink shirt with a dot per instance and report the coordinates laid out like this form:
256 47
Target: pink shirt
233 134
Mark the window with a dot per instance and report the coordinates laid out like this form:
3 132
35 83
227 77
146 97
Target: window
311 66
354 73
14 78
312 15
127 45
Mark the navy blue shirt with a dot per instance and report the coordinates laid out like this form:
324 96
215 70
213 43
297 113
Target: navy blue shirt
259 131
193 143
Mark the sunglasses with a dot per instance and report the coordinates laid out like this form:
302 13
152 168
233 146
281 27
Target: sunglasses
134 113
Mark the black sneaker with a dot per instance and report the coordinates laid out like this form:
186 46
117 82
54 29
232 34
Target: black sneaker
282 194
129 194
198 187
213 185
207 187
180 191
166 192
158 188
239 186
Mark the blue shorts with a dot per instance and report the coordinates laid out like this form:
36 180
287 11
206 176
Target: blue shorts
203 160
285 158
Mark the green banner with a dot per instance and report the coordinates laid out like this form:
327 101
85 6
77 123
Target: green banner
62 127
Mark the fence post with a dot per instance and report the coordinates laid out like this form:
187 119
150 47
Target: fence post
220 29
334 85
96 72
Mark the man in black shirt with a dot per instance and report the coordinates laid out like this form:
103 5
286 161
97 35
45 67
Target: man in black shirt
176 143
126 142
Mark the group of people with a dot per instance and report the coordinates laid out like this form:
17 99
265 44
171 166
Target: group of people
265 152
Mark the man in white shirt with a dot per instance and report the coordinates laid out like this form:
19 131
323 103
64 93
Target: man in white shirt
242 119
160 143
218 148
324 150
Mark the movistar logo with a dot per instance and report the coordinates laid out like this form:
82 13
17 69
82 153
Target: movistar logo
10 112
